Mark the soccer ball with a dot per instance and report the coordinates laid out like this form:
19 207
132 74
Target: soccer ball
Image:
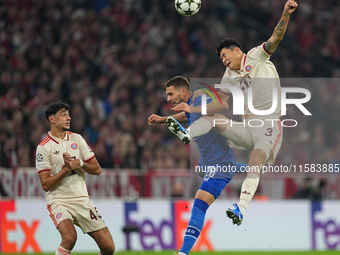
187 7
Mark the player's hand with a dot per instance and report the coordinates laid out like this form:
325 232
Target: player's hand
290 6
74 164
71 162
67 157
67 168
154 119
182 107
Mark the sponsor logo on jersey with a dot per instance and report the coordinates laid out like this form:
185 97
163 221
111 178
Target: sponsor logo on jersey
248 68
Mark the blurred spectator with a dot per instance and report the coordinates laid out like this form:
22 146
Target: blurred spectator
177 190
311 191
321 190
306 191
109 60
3 193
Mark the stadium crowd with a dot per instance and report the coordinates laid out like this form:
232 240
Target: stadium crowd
109 59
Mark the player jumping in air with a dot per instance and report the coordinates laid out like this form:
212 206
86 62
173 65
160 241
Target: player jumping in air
62 158
254 70
214 153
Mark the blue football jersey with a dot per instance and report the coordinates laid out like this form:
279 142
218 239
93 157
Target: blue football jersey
216 157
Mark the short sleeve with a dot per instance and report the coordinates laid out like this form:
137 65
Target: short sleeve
86 152
259 53
42 160
198 100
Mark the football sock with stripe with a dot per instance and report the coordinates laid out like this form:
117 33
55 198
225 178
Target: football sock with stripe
248 189
195 225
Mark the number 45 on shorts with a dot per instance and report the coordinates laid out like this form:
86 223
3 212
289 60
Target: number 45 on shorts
95 215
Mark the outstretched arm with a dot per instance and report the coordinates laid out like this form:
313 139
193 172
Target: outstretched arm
281 28
155 119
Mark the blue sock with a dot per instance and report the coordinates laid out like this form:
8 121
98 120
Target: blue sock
195 225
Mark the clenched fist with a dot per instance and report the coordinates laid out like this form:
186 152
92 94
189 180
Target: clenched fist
154 119
290 6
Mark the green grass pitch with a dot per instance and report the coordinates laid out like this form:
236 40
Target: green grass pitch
234 253
212 253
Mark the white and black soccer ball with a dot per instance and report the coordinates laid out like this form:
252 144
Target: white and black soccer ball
187 7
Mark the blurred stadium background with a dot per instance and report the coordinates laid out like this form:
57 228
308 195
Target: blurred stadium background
108 59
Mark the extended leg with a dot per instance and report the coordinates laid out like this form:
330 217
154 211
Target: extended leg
68 237
205 196
249 186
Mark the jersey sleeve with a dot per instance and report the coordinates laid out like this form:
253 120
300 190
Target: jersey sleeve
198 100
86 152
259 53
42 160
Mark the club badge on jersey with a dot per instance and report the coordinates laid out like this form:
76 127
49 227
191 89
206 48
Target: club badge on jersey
248 68
74 146
59 215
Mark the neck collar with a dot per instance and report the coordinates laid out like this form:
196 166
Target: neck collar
57 139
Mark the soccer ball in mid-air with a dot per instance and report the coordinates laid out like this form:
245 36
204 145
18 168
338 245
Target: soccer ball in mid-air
188 7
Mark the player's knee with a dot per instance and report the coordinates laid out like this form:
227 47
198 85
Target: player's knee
205 196
69 240
254 173
260 152
108 249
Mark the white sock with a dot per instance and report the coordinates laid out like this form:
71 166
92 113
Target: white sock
62 251
200 127
249 187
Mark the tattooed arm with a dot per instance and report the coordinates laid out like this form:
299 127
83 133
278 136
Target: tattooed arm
281 28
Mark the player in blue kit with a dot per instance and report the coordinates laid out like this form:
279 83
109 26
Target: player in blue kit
216 157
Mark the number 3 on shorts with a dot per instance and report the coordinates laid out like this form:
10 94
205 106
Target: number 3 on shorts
269 132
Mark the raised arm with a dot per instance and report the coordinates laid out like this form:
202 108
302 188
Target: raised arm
281 28
155 119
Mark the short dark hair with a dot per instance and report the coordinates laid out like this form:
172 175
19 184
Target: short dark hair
228 44
179 81
55 107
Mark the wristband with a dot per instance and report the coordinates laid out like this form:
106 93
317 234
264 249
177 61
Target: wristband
81 163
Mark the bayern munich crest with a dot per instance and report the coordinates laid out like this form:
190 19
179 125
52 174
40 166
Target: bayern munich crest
74 146
248 68
58 216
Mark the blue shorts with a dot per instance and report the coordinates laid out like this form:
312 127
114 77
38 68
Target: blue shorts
222 171
214 185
